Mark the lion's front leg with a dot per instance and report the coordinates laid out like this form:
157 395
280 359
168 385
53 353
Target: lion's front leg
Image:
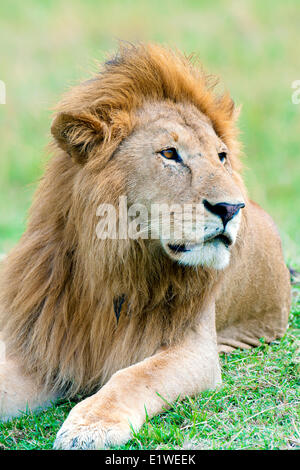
20 393
105 419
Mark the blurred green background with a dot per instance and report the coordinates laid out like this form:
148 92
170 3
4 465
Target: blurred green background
48 45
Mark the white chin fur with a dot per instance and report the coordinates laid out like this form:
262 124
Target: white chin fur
213 254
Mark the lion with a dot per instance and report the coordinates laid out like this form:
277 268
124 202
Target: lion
135 323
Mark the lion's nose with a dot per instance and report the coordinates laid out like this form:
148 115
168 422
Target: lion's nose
224 210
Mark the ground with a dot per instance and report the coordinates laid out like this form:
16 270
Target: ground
254 46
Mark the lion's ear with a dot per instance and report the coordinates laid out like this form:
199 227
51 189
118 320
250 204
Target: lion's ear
77 135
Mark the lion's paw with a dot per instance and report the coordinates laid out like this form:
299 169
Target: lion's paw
91 437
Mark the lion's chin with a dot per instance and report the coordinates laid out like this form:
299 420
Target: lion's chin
213 254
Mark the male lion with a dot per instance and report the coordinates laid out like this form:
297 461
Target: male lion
134 322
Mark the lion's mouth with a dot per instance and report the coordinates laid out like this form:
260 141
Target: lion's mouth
182 248
223 237
185 247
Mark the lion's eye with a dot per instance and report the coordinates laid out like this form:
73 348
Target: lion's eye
170 154
222 156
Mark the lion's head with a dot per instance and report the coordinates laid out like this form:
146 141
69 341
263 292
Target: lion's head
150 125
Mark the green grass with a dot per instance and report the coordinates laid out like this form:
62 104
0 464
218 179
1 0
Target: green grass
254 46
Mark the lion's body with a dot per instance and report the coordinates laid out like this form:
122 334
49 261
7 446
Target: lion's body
59 285
254 300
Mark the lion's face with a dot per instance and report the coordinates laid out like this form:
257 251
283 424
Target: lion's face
174 157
